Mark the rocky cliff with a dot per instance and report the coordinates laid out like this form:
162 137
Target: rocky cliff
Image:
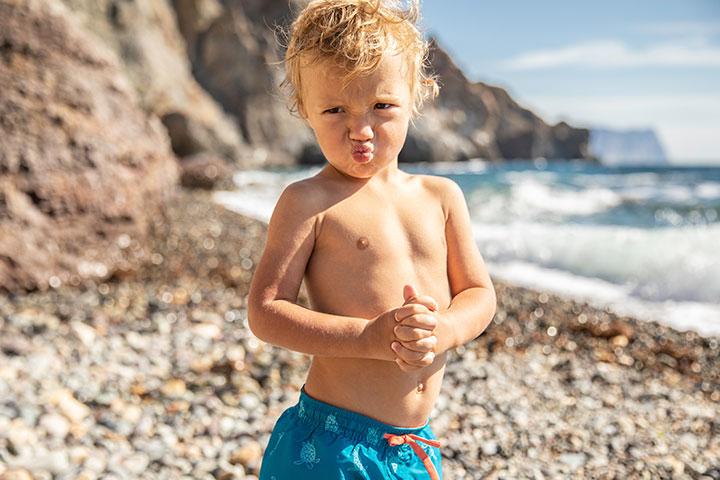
234 54
474 119
83 169
144 36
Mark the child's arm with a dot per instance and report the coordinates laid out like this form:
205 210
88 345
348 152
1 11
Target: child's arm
473 301
273 314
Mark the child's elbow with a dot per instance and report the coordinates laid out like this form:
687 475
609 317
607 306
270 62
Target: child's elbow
493 301
256 308
255 318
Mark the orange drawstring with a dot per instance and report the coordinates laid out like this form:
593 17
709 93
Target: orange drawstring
410 439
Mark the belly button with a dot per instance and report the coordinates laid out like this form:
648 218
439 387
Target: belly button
420 386
363 243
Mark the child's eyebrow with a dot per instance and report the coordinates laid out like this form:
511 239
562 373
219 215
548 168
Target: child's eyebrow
380 96
388 96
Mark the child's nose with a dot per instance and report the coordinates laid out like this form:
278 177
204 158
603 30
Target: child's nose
360 129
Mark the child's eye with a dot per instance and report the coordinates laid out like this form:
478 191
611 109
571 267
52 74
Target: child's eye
332 110
383 106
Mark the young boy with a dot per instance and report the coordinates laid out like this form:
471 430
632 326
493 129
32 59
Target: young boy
393 274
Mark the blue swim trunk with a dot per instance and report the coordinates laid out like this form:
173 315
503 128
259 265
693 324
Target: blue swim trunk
319 441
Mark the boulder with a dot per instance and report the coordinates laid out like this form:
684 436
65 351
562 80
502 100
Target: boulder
83 168
205 171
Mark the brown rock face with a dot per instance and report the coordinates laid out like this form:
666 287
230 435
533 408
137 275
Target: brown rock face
235 55
82 168
479 120
145 37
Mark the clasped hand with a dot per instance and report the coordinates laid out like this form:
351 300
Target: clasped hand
415 340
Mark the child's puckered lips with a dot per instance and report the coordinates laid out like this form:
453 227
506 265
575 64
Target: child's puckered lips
362 152
362 148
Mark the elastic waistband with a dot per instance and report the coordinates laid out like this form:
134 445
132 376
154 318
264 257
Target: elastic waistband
352 425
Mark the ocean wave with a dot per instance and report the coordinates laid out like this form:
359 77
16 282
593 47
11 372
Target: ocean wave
702 317
680 264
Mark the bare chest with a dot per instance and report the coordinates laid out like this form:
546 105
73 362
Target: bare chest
367 250
363 235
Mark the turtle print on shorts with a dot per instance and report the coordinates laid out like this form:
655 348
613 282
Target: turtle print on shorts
307 455
331 424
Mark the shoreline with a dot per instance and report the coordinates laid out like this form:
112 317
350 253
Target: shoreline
160 372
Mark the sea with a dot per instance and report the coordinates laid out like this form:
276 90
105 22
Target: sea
642 241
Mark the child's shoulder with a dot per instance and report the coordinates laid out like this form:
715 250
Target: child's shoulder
435 182
309 188
442 187
445 190
306 197
297 210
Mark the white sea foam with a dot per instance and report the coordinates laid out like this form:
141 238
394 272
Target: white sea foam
677 264
708 190
529 195
703 318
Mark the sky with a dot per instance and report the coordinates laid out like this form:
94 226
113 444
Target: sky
611 64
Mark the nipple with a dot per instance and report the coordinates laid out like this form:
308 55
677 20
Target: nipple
363 243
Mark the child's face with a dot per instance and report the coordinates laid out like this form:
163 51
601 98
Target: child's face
361 129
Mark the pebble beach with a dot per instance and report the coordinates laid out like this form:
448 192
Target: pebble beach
155 374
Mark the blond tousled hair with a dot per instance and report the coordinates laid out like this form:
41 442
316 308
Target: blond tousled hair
353 35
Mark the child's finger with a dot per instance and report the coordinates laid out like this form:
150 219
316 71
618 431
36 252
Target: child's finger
406 333
409 356
422 359
421 320
426 300
410 309
426 360
423 345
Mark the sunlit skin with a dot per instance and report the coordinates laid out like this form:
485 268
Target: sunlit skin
393 275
